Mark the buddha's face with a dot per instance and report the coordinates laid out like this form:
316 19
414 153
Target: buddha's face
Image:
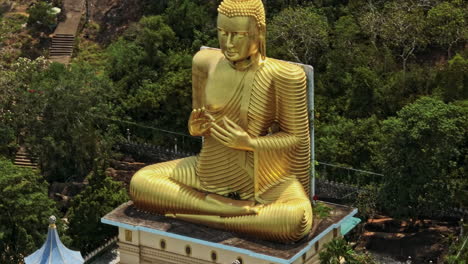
238 37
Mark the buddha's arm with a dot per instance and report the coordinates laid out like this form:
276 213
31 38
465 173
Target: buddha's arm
291 110
286 152
200 65
199 122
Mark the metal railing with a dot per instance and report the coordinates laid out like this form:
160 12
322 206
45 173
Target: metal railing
348 175
100 249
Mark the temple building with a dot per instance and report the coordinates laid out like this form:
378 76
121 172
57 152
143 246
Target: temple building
53 251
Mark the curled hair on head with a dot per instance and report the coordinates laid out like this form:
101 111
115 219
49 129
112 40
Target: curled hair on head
252 8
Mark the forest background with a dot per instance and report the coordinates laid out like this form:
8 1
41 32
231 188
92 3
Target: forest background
390 88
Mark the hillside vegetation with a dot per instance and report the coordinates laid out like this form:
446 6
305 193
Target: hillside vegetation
391 89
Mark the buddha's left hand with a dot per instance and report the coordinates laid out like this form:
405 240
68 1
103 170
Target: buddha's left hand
232 135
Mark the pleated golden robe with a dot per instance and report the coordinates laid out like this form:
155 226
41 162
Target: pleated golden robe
273 97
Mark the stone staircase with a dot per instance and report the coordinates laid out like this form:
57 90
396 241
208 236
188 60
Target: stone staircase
62 46
23 159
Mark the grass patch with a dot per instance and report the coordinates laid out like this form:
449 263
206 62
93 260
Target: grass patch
321 210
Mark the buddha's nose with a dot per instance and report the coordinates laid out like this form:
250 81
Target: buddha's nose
229 43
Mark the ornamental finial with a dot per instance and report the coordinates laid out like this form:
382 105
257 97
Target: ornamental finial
52 220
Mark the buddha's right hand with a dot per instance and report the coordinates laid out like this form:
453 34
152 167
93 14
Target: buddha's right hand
200 122
229 207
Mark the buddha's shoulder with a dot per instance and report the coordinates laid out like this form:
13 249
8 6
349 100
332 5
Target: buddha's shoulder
283 70
206 58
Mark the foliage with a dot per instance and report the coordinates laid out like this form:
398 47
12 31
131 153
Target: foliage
422 149
156 38
10 28
447 25
403 29
321 210
453 79
41 17
17 106
352 143
338 249
196 19
298 34
100 197
58 111
366 201
25 209
458 250
155 80
71 132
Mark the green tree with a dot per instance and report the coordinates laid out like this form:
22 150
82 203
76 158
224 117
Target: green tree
196 19
347 55
71 128
40 16
452 80
403 29
100 197
25 209
349 142
421 151
361 97
156 38
165 103
447 25
125 66
298 34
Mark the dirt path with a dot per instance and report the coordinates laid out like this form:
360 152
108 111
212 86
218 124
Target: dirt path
64 35
74 10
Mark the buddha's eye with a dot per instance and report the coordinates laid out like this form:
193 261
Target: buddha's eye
222 32
240 35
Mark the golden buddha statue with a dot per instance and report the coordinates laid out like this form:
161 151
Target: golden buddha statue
252 174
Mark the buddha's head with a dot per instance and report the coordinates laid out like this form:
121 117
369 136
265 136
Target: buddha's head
241 29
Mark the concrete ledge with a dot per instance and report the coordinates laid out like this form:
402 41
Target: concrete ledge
148 238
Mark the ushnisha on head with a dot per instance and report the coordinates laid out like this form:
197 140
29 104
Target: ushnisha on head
241 29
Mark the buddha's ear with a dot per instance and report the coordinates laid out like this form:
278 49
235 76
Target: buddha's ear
262 43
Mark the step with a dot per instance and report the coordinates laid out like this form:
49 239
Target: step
22 160
63 36
70 43
61 47
63 43
52 55
23 156
65 49
26 164
60 50
62 40
60 54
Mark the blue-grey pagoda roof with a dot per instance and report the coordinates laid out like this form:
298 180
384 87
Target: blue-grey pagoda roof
53 251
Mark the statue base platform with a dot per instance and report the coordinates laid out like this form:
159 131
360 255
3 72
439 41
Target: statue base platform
146 238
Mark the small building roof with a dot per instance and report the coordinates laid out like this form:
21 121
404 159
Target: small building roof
53 251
